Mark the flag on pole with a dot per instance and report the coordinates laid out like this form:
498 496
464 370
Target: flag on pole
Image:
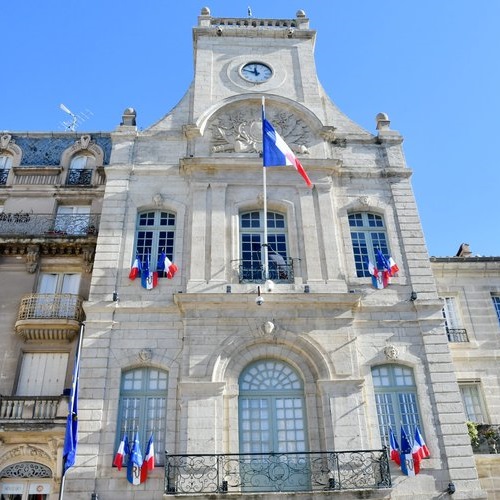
135 462
419 450
167 266
380 279
149 460
149 279
394 447
123 451
409 466
136 268
276 152
71 435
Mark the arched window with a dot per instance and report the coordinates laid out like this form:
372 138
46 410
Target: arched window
368 235
5 166
272 419
252 247
143 401
396 400
80 170
155 234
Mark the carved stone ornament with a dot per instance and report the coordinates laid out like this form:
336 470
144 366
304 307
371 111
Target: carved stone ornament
25 453
32 258
158 200
145 355
364 200
88 257
240 131
267 329
391 352
5 140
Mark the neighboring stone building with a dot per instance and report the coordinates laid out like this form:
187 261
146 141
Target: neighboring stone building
51 189
326 363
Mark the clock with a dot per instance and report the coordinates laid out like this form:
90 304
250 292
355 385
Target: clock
256 72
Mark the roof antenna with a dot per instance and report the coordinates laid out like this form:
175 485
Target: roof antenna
75 119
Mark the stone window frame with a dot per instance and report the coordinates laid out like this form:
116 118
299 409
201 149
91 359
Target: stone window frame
9 149
495 297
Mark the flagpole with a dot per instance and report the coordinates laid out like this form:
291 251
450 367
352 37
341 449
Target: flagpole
264 182
76 374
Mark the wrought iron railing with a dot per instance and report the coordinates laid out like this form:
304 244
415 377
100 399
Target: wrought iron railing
272 472
457 335
79 177
4 173
281 271
31 407
51 306
27 224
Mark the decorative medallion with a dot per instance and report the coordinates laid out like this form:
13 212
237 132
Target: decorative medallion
145 355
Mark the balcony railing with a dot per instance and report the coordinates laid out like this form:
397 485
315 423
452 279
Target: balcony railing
4 173
457 335
276 472
253 272
49 316
79 177
23 224
16 408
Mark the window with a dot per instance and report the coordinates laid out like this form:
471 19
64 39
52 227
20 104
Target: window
25 481
42 374
473 404
272 418
5 165
252 249
496 305
73 220
57 295
155 234
395 400
453 324
143 400
80 170
368 235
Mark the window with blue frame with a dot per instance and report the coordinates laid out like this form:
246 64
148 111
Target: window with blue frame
5 165
272 419
496 305
142 408
395 400
155 233
368 235
252 247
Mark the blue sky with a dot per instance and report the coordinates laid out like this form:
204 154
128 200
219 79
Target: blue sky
432 66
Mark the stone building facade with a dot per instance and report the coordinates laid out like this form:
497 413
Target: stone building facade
225 358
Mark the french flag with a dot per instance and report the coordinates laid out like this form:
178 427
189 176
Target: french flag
419 450
149 279
380 278
167 266
123 450
136 268
409 466
276 152
394 447
149 460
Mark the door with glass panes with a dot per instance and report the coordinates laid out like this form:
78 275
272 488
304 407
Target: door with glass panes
272 426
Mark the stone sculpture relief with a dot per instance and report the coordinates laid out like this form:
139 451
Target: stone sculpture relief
240 131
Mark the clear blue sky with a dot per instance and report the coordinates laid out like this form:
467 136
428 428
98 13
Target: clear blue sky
432 65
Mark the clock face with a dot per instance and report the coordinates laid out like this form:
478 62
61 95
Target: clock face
256 72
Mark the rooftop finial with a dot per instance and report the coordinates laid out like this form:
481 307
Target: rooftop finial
249 11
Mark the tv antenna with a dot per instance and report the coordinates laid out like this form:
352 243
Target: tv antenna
75 119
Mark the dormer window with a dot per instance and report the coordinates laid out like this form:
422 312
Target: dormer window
80 170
